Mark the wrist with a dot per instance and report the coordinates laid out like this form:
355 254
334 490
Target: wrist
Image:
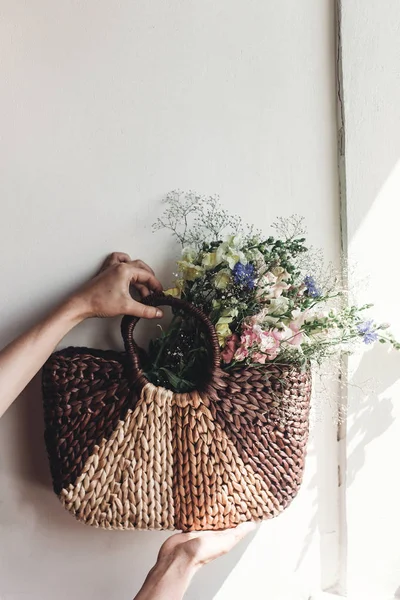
175 570
169 578
178 561
73 311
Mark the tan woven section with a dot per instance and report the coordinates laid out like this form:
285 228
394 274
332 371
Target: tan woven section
213 488
127 482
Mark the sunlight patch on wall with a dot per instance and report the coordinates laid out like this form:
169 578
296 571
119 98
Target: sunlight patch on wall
372 253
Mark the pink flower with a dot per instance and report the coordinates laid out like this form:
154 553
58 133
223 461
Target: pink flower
241 354
296 338
278 334
249 336
259 344
259 357
279 288
271 292
269 278
258 318
229 350
301 290
270 343
298 319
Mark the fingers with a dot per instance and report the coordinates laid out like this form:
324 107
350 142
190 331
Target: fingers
142 276
244 529
121 257
144 283
137 309
118 273
140 264
142 289
230 537
118 257
114 259
233 536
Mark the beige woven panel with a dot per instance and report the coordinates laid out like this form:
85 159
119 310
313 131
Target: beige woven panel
127 482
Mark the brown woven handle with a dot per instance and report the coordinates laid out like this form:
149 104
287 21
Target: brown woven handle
129 323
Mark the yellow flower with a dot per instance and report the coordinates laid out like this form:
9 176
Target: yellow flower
222 326
223 332
189 271
189 255
230 251
210 260
278 306
222 279
280 273
174 292
216 303
235 241
228 313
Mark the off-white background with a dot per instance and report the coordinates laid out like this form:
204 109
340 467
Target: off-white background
105 107
371 70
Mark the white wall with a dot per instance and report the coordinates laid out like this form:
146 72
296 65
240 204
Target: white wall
371 69
105 107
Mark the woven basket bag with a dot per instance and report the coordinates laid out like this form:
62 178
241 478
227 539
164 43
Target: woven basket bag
125 454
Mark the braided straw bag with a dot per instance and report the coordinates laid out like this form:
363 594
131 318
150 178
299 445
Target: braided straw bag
125 454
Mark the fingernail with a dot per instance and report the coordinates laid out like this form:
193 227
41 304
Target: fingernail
159 313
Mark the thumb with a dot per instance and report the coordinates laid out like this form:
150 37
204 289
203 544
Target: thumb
138 309
244 529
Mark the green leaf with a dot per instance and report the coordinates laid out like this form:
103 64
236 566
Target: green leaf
176 382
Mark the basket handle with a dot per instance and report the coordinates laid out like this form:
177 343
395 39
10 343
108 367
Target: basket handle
129 323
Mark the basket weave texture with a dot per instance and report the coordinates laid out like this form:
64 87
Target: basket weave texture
125 454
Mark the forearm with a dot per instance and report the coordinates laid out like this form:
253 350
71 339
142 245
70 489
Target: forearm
168 580
23 358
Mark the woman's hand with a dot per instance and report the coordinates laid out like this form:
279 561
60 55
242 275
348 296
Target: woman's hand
201 547
182 555
108 294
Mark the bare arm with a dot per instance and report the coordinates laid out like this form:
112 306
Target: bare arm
106 295
182 555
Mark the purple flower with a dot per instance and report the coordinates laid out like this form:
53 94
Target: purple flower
367 332
244 275
311 287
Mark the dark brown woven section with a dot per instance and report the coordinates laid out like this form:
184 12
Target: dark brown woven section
86 393
265 412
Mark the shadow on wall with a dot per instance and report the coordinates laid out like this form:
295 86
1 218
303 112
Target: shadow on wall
370 417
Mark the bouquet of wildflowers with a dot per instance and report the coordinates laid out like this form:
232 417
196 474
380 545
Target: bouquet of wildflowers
268 298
